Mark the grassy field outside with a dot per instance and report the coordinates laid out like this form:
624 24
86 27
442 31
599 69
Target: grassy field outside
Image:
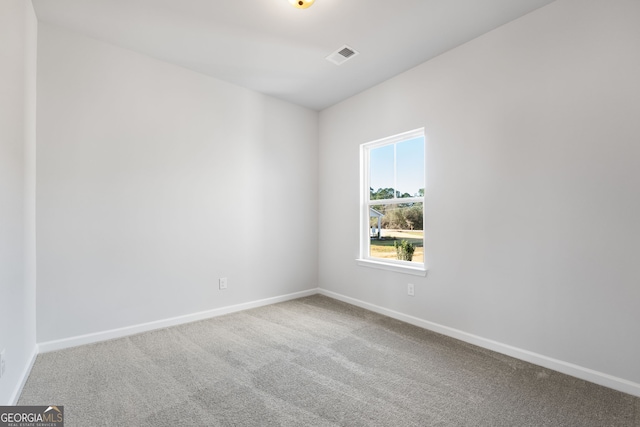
384 248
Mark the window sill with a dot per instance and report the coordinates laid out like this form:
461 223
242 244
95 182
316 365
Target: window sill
398 268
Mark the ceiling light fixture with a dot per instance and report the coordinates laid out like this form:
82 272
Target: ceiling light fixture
301 4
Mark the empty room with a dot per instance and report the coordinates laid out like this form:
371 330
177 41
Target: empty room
320 212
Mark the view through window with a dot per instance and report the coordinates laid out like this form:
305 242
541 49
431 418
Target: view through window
393 195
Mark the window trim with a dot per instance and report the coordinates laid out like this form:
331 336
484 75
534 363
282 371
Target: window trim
365 260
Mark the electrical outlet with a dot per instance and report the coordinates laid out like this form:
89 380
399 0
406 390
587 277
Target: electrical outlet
410 289
3 365
223 283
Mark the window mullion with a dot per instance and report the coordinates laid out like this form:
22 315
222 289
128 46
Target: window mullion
395 172
395 201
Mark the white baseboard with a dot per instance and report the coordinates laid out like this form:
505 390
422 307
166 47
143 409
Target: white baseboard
25 376
586 374
48 346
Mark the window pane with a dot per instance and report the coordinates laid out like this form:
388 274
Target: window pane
381 172
401 230
410 168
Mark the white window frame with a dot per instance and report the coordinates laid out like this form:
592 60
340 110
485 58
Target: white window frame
365 260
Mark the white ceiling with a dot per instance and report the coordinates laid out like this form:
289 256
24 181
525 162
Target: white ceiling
273 48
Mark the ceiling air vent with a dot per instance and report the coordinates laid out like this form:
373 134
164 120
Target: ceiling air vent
341 55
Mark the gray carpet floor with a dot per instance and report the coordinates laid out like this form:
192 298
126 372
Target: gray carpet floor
311 362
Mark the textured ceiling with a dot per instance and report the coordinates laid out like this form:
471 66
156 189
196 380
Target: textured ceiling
270 47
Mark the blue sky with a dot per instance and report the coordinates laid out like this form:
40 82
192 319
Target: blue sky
409 170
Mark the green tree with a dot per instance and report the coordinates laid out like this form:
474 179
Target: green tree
396 217
413 217
381 193
404 250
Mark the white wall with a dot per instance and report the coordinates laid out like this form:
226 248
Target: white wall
532 201
18 28
154 181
